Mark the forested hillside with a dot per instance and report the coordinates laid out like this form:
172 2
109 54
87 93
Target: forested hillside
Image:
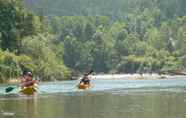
118 35
55 37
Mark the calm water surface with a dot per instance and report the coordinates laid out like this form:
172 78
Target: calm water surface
106 99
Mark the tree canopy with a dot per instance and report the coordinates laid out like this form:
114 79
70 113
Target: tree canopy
55 39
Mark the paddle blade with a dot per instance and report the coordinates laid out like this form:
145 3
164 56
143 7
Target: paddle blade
91 71
9 89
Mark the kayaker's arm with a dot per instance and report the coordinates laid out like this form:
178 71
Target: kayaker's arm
28 83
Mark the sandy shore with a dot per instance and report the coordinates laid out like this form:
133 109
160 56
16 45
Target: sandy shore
136 76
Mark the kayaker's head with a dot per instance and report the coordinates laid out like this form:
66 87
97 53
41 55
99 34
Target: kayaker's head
86 74
29 74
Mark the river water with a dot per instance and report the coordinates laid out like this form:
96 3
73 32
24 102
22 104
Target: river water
110 98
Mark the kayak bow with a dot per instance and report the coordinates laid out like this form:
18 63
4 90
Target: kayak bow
84 86
31 90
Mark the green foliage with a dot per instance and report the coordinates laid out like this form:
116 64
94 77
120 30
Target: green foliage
11 65
47 65
161 9
104 35
115 48
16 23
25 46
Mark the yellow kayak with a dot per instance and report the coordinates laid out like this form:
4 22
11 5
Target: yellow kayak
29 90
84 86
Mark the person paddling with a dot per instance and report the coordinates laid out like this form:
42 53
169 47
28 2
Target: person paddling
26 84
85 81
27 80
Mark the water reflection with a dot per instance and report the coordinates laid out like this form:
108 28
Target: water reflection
30 108
149 104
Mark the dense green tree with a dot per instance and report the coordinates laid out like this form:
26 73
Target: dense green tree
25 46
16 23
47 65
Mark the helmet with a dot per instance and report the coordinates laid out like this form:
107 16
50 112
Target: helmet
29 74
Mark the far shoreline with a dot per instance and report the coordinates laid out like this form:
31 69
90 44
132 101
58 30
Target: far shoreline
135 76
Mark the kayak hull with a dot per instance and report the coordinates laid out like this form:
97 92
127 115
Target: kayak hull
83 86
31 90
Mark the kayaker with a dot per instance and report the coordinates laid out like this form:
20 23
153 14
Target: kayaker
85 79
27 80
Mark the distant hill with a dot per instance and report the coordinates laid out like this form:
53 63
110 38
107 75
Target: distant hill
113 8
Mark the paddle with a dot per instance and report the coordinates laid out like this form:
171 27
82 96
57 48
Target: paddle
10 88
91 71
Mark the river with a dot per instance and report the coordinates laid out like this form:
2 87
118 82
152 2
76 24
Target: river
108 98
